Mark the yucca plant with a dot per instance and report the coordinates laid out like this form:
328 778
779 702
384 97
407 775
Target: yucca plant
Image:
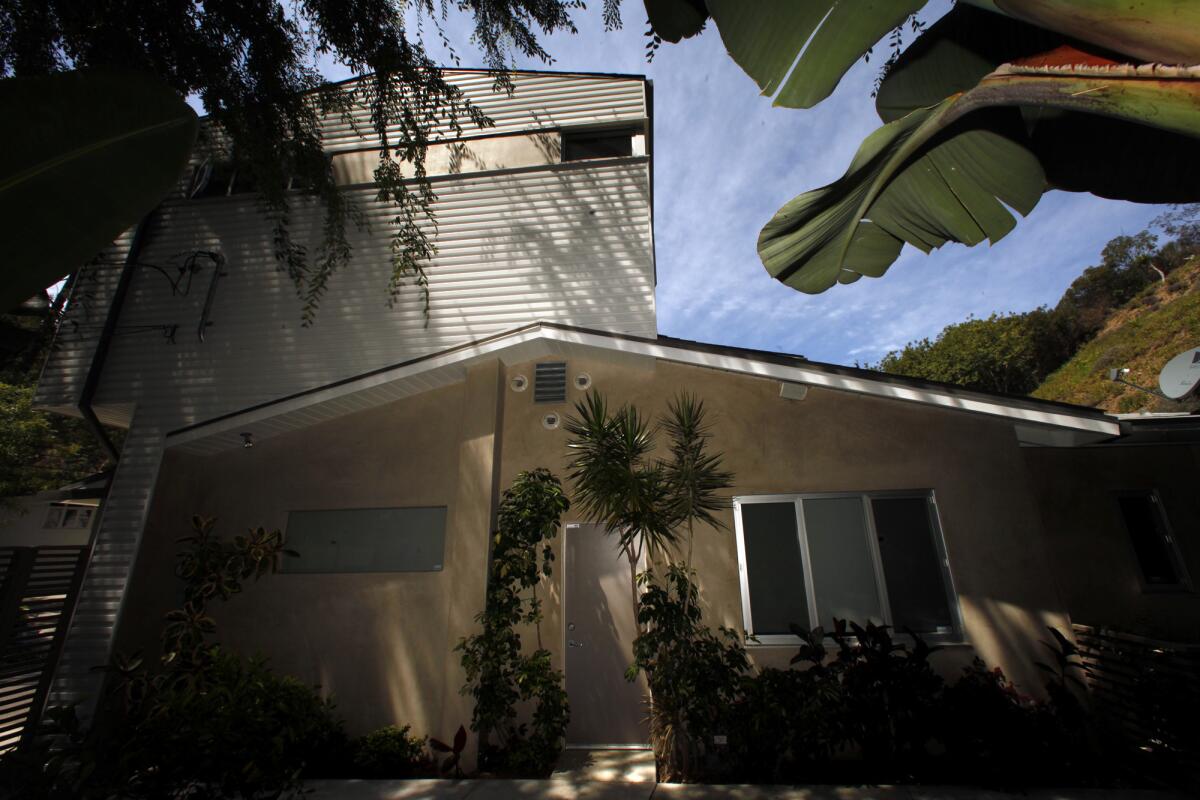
996 103
645 501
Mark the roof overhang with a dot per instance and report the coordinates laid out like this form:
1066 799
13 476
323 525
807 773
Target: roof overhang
1035 422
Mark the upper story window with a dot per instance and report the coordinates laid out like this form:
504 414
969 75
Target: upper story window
810 559
582 145
1154 546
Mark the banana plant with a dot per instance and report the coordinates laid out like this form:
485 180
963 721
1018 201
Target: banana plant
990 107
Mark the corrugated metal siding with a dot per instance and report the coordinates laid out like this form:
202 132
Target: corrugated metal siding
89 639
538 101
66 369
569 244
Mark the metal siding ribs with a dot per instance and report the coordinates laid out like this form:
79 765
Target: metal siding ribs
570 243
90 637
37 588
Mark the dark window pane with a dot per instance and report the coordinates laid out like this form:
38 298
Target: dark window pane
366 540
774 568
911 566
607 144
212 179
843 574
1149 534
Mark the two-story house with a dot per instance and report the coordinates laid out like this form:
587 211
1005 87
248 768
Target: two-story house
378 439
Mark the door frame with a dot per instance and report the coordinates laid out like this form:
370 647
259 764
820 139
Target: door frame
568 528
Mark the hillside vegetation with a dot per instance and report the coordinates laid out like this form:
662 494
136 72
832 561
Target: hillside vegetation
1136 309
1161 321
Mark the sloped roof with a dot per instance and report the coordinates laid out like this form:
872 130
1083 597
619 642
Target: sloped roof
1037 421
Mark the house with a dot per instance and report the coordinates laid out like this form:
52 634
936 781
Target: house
380 440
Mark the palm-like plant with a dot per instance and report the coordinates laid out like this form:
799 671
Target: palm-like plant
642 500
993 105
693 475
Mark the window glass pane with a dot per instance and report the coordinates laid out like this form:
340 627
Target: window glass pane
1148 531
603 144
912 568
843 572
774 567
366 540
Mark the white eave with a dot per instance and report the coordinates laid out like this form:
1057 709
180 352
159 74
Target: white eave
1033 420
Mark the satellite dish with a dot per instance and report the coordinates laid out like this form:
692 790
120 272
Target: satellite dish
1181 374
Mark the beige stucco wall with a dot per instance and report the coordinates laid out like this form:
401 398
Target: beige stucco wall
1090 548
380 643
837 441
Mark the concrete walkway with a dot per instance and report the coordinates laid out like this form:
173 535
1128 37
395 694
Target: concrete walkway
568 789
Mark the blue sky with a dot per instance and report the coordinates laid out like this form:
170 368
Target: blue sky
726 160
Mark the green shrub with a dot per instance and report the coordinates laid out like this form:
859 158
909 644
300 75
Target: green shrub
246 733
203 722
390 753
499 675
693 673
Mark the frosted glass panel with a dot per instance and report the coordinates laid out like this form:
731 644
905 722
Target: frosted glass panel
912 567
774 567
367 540
843 574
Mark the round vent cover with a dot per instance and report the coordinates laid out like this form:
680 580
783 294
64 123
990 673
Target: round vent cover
550 421
583 381
519 383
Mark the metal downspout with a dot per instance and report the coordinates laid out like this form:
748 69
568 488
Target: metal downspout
92 383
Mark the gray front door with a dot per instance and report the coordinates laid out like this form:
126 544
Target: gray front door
606 709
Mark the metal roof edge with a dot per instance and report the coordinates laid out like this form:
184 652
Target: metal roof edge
737 360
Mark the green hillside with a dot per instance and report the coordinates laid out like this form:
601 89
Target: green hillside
1162 320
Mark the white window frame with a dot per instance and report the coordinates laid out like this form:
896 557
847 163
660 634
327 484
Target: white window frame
955 636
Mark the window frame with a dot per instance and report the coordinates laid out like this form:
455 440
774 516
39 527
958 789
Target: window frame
1184 582
956 636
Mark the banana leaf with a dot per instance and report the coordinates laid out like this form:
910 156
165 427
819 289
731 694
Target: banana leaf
950 172
1162 31
766 37
1140 163
83 156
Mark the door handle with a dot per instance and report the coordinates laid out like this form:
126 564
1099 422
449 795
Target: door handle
573 643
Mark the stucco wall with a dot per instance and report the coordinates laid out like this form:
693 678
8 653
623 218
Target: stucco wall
380 643
836 441
1090 547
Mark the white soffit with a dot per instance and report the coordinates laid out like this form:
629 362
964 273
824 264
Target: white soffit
542 339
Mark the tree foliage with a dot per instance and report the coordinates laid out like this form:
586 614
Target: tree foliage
38 451
1014 353
254 66
1008 353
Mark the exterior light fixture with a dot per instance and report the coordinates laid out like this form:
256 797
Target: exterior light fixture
247 440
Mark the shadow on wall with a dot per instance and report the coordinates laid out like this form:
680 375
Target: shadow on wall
571 245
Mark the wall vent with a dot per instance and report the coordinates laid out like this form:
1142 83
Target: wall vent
550 382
